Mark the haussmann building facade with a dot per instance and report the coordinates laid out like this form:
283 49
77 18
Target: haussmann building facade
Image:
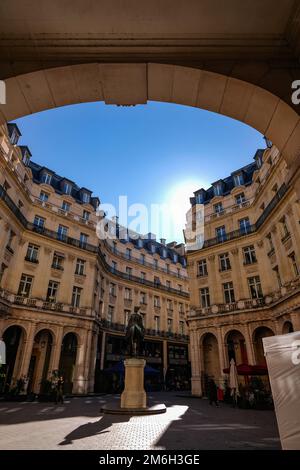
65 295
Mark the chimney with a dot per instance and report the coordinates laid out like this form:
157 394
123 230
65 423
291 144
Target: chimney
163 241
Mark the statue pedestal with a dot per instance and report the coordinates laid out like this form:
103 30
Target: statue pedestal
134 395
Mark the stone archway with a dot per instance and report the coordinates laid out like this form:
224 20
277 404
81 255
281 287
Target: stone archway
67 362
38 371
14 338
258 334
287 327
210 360
132 84
236 347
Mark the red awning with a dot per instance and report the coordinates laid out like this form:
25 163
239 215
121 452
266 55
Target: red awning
247 369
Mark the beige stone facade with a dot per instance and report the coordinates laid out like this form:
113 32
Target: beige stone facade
244 282
65 295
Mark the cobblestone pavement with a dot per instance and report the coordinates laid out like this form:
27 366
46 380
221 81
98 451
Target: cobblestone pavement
189 423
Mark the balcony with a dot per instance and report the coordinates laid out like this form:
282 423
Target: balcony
31 259
59 267
34 303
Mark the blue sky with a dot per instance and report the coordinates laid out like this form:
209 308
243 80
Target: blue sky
157 153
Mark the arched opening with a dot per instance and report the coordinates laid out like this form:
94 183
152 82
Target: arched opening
210 361
68 361
287 327
236 347
38 371
13 338
259 334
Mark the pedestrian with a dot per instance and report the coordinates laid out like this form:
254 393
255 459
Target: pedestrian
59 397
212 392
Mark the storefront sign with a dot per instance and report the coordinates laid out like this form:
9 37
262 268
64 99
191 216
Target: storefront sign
283 361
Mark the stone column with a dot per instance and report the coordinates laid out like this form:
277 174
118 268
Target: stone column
293 224
221 351
102 358
56 350
79 381
92 362
28 350
295 317
195 363
249 345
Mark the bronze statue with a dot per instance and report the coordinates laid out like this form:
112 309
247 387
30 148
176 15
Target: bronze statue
135 333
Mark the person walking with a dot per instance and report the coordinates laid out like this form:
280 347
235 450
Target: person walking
212 392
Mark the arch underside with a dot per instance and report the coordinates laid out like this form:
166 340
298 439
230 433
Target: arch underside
133 84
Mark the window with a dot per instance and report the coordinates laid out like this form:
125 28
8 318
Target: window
238 179
39 222
286 232
67 188
155 262
32 253
202 268
181 328
255 287
175 257
126 316
86 215
142 259
57 262
143 298
83 239
25 285
221 233
44 196
128 272
14 137
112 289
244 225
66 206
249 254
86 198
52 291
224 261
80 265
170 325
294 264
143 276
62 232
76 294
169 305
168 268
168 284
156 301
114 248
114 266
156 281
127 294
110 314
269 237
20 204
204 297
128 253
178 272
46 178
218 189
240 198
157 323
228 293
6 186
180 307
277 274
218 208
179 287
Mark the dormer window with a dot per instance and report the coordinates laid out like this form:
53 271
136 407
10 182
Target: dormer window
85 198
200 197
67 188
238 179
46 178
25 155
175 257
218 188
140 243
14 133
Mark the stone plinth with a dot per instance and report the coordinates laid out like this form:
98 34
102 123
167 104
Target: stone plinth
134 395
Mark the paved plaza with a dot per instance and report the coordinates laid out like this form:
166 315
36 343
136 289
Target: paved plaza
189 423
